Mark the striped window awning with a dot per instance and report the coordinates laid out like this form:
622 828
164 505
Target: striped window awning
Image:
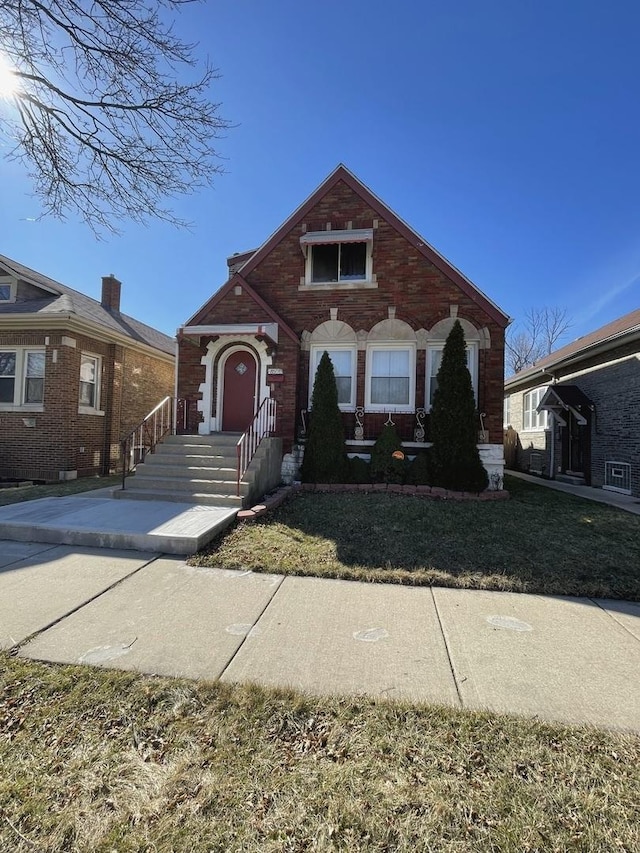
353 235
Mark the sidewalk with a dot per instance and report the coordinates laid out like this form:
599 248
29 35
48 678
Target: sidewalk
590 493
572 660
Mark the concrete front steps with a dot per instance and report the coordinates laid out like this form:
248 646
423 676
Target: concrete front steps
199 469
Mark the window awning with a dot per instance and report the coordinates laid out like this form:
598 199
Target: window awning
353 235
566 398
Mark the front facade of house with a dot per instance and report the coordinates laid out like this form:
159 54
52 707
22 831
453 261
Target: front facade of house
575 415
346 275
75 376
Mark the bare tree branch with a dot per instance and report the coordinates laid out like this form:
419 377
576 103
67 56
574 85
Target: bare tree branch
102 116
536 337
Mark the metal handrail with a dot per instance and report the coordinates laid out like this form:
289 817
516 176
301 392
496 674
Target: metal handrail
262 425
143 438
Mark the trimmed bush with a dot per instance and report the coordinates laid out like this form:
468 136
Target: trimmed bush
455 461
384 468
419 473
325 457
359 470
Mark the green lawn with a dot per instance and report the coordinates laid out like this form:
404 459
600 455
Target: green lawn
14 495
539 541
108 762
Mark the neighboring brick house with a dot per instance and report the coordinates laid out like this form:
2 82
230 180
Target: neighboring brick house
75 376
346 275
577 411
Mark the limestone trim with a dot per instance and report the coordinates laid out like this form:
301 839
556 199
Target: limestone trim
214 366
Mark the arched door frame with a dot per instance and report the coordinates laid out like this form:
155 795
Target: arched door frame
212 362
220 383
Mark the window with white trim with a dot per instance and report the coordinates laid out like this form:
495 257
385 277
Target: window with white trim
343 360
390 383
7 288
22 377
90 372
506 413
434 360
338 257
532 419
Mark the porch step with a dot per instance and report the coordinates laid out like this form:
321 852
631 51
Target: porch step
170 468
202 499
573 479
197 469
185 484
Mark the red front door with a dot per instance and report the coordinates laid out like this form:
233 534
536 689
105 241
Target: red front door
238 395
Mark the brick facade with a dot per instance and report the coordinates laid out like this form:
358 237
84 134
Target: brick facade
57 440
408 287
611 381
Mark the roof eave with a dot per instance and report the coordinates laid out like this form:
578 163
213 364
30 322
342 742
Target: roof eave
73 323
550 367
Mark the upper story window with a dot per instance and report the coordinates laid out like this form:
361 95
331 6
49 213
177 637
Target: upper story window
532 419
7 289
335 258
434 360
22 377
343 359
90 371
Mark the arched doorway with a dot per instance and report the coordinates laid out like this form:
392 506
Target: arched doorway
238 390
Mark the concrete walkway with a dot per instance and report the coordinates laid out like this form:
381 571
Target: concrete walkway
566 659
88 519
629 503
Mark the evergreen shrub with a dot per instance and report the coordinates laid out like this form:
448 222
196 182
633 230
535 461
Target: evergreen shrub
455 460
325 456
384 468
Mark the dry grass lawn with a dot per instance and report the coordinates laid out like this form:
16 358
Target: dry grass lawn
103 761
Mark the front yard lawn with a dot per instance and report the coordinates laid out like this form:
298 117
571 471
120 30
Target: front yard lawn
17 494
97 762
539 541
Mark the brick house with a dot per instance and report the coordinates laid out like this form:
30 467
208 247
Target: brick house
344 274
75 376
575 415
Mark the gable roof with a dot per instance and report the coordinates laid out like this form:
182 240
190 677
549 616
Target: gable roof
219 296
59 301
605 338
341 173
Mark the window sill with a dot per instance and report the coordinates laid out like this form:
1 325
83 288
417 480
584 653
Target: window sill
389 410
31 408
339 285
86 410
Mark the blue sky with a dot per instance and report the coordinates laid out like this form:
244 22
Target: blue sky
506 133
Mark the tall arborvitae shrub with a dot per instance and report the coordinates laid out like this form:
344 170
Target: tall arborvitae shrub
385 468
455 461
325 456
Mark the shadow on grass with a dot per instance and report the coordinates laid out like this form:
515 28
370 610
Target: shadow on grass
539 541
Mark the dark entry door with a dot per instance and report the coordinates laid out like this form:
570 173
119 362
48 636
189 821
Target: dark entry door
239 391
574 445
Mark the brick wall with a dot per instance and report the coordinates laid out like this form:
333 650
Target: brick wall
537 440
62 439
421 294
612 383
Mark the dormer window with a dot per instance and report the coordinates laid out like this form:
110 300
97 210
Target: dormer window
335 258
7 289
